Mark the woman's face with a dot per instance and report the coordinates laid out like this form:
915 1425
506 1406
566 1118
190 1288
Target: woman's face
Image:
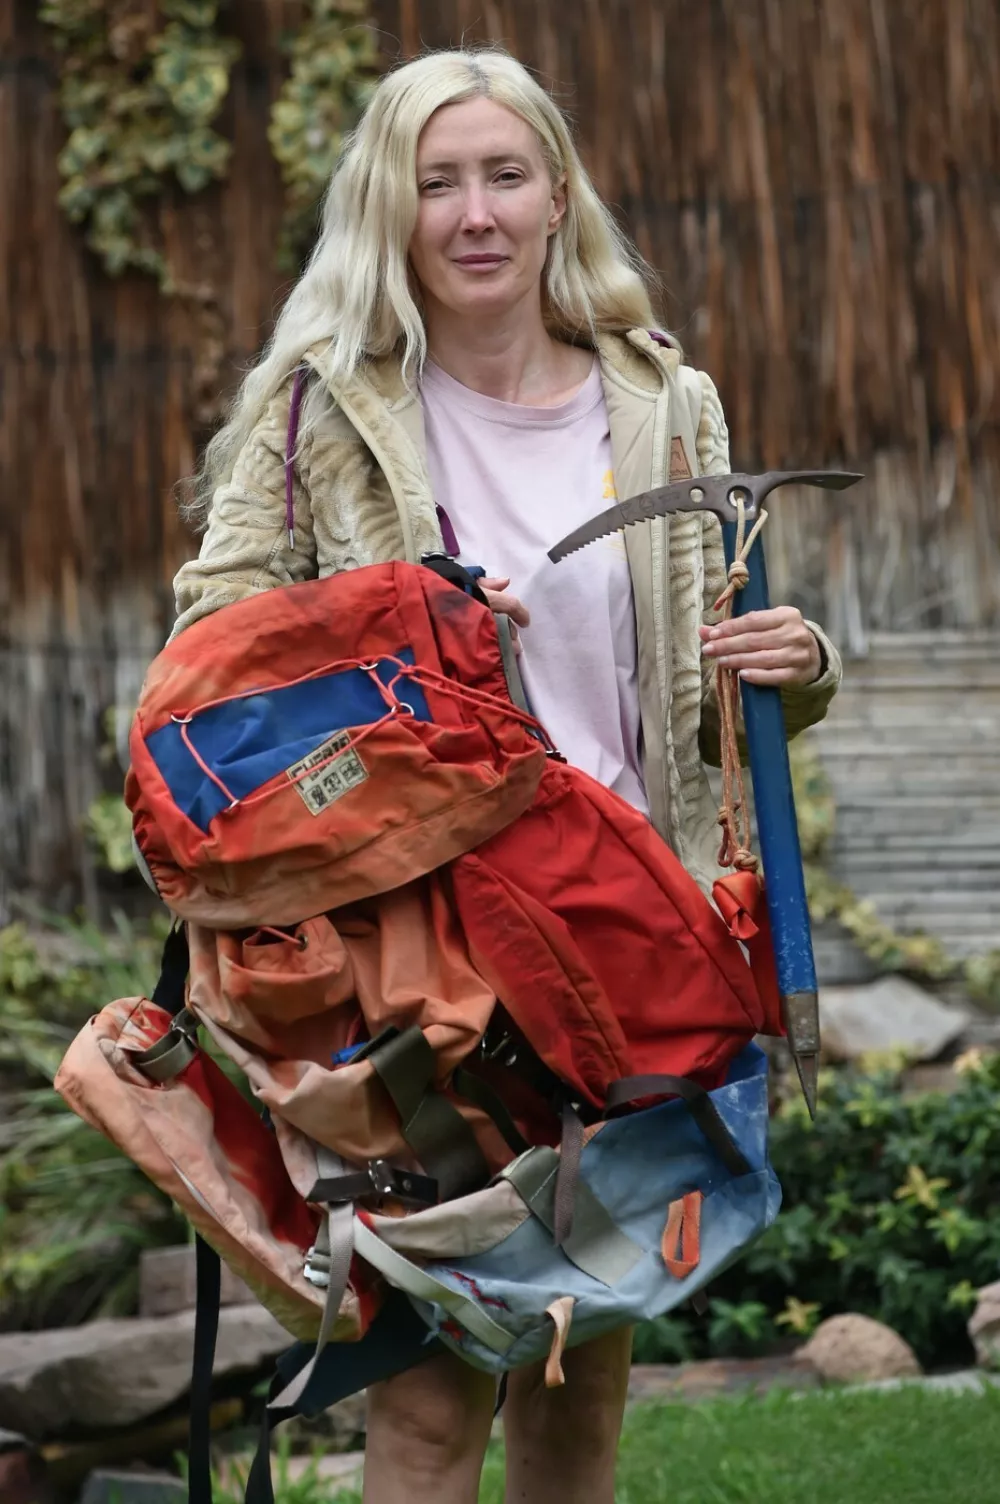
487 207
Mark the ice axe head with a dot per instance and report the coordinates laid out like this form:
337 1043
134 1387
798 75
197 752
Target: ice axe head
721 494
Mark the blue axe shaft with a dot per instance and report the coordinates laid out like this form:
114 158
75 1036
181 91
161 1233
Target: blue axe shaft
778 838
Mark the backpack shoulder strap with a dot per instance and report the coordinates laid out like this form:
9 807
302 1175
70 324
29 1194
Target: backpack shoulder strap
294 410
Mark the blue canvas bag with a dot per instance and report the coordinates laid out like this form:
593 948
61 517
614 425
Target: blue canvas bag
515 1297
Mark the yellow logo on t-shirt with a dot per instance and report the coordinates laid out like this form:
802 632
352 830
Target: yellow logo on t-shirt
609 493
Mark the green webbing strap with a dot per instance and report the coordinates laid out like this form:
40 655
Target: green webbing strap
432 1126
596 1244
481 1094
334 1247
511 668
415 1281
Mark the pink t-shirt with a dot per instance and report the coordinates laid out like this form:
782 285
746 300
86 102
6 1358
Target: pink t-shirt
514 480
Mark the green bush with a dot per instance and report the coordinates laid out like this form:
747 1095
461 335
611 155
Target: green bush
74 1212
890 1209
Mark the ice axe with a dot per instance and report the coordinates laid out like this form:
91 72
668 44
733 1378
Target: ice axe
729 496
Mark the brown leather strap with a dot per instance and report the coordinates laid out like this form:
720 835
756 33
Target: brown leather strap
699 1103
380 1179
568 1174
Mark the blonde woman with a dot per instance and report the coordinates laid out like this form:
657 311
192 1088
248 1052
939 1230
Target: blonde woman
482 375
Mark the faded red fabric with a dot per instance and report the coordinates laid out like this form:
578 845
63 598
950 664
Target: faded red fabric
740 898
605 951
466 869
434 789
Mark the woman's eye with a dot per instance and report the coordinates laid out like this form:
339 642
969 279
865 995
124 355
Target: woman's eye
509 175
432 184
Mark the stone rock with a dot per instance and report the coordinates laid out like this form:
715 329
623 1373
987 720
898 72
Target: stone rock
106 1487
888 1014
168 1282
853 1349
344 1469
984 1327
116 1373
717 1376
920 1079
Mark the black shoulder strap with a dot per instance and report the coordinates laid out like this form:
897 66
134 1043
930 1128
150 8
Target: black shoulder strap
208 1269
174 963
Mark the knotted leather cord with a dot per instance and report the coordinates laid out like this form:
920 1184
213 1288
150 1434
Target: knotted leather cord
734 850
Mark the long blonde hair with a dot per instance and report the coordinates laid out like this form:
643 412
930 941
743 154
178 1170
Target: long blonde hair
355 292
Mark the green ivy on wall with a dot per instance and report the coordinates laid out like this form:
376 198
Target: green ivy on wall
334 63
140 87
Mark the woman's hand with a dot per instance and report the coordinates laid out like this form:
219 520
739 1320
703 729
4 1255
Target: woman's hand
767 647
500 600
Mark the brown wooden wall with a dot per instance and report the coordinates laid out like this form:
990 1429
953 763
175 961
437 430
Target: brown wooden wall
816 181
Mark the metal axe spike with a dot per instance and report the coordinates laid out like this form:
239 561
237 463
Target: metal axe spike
764 721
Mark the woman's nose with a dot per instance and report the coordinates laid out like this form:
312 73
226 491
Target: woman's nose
477 209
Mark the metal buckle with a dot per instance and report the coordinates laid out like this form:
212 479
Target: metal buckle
185 1024
404 1185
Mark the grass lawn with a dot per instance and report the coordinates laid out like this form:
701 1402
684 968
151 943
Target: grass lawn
906 1447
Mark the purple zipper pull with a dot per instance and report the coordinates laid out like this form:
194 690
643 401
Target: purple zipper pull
448 535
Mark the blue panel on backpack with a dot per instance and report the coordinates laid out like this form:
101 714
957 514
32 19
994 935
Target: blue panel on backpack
246 742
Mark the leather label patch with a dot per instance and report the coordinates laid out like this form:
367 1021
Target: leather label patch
679 467
328 773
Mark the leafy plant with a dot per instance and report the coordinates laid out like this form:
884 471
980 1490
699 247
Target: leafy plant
109 827
291 1485
140 88
334 60
890 1211
74 1212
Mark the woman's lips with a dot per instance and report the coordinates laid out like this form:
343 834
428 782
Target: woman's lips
480 263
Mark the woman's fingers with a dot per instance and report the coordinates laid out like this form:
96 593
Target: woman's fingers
503 602
765 647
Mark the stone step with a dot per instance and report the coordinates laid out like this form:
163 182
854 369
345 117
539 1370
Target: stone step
929 847
911 918
941 736
915 805
865 785
908 822
933 643
942 741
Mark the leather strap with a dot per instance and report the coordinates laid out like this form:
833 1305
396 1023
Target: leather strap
699 1104
380 1179
568 1174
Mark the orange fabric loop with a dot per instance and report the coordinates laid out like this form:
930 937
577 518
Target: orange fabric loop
739 897
560 1313
681 1246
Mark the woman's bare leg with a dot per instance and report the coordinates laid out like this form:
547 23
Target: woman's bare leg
427 1434
562 1443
